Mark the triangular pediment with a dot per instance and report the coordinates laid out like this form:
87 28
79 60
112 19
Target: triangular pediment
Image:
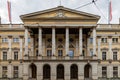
59 13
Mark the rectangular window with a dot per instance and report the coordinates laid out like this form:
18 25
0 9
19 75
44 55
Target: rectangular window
114 55
15 55
104 71
15 40
71 53
4 56
4 71
49 52
115 71
104 40
115 40
4 40
91 40
103 55
15 72
29 40
60 52
91 52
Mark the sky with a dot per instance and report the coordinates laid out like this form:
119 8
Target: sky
21 7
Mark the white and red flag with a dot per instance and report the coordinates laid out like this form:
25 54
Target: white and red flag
9 10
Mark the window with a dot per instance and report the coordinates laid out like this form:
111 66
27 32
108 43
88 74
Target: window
115 40
4 55
4 40
15 72
29 40
15 40
71 53
4 71
115 71
114 55
15 55
103 55
36 52
60 52
91 40
104 40
91 52
104 71
49 52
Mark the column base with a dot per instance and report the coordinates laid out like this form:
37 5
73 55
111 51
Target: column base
67 57
25 77
67 77
53 57
81 57
39 57
25 57
53 77
95 57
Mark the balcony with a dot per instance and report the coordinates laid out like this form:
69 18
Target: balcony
60 58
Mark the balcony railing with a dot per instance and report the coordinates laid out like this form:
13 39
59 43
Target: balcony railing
60 58
11 79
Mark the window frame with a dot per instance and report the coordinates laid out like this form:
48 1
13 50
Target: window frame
15 71
4 40
104 71
15 56
115 55
4 55
16 40
115 71
104 57
4 71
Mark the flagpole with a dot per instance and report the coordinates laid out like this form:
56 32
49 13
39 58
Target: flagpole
9 12
108 11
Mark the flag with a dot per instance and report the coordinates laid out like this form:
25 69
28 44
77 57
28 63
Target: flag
110 11
9 10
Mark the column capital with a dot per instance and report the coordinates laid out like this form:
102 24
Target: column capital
21 36
109 37
10 36
98 37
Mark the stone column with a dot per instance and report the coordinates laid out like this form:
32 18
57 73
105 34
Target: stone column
53 71
39 71
110 47
81 71
40 41
25 71
94 41
10 70
109 71
67 41
32 45
53 41
26 43
20 70
94 70
99 45
67 71
21 47
0 70
10 48
80 41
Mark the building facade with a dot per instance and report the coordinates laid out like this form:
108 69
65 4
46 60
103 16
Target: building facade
59 44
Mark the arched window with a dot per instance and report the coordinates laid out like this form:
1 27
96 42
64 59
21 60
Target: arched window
46 71
74 71
60 71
